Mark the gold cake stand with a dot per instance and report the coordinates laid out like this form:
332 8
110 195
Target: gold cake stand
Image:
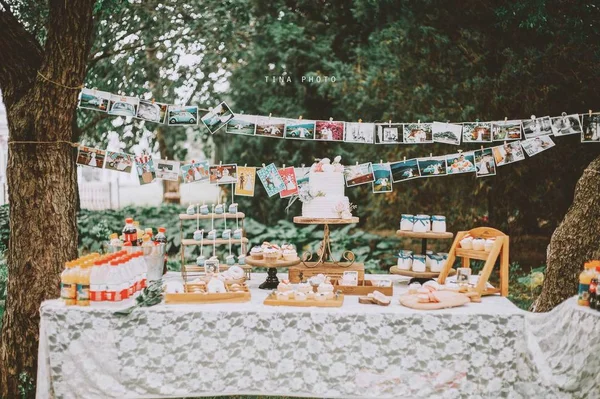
324 252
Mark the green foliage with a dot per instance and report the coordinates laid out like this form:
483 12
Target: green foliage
26 385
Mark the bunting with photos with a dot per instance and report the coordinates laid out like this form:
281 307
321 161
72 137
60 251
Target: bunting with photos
591 128
478 132
267 126
447 133
94 99
271 180
289 178
388 133
246 178
89 156
383 178
358 132
152 111
432 166
223 174
118 161
217 117
506 130
123 105
167 170
195 171
178 115
358 174
462 162
484 162
508 153
405 170
417 133
144 166
536 127
566 124
329 131
242 124
299 129
536 145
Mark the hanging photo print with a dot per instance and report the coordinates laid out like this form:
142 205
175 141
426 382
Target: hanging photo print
508 153
289 178
145 168
566 124
463 162
432 166
448 133
246 177
123 105
591 128
119 161
405 170
535 146
167 170
359 132
418 133
152 111
536 127
479 132
329 131
195 171
383 178
178 115
88 156
359 174
484 162
267 126
388 133
242 124
299 129
94 99
506 130
218 117
223 174
269 177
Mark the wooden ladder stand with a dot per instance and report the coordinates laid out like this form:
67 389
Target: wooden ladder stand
500 248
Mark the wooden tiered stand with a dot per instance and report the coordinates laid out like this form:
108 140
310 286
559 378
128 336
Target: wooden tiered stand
500 249
424 237
191 270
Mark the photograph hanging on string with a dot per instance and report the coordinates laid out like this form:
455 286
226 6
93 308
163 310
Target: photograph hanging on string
217 118
508 153
94 99
268 126
405 170
119 161
145 168
383 178
417 133
359 132
537 127
536 145
329 131
388 133
195 171
123 105
178 115
246 177
167 170
88 156
484 162
477 132
566 124
591 128
270 179
432 166
223 174
152 111
463 162
289 178
242 124
448 133
299 129
506 130
358 174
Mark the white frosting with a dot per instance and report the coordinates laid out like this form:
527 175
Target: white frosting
330 187
323 207
328 183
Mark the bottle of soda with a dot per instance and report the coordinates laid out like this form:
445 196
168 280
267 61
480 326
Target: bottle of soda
130 232
593 293
161 238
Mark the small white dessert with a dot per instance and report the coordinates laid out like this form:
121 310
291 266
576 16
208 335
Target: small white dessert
325 287
320 296
304 287
236 272
316 280
478 244
300 296
466 242
216 286
413 288
174 287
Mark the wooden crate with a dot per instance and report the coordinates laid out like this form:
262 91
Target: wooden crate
300 272
200 297
364 287
336 302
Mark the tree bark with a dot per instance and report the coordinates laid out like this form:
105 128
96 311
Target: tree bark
42 178
573 243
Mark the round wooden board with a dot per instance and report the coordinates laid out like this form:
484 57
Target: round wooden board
448 299
427 234
410 273
278 263
305 220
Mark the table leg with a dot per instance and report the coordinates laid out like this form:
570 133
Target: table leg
272 281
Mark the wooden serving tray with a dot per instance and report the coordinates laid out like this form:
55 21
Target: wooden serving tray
364 287
202 298
272 300
410 273
448 299
301 272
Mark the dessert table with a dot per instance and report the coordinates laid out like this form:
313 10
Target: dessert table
490 349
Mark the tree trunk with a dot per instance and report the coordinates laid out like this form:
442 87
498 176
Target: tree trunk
42 178
573 243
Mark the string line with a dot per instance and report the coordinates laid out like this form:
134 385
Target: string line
60 84
72 144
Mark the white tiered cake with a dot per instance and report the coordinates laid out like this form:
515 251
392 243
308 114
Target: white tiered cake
326 188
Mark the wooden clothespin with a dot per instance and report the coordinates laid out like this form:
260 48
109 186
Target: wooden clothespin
220 163
430 155
300 118
245 165
590 112
481 148
263 165
270 114
356 163
283 166
330 119
460 151
532 117
390 123
359 120
419 121
404 159
505 118
153 100
381 161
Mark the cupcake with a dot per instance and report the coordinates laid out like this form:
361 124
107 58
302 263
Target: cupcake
290 254
325 287
257 253
304 287
191 210
300 296
204 209
230 260
233 208
284 286
238 234
271 254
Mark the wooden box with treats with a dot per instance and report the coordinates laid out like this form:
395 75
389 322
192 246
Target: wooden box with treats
198 293
301 273
365 287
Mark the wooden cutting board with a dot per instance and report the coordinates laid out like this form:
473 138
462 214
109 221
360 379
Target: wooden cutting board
448 299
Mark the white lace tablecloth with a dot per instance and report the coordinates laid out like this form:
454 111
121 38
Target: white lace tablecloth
479 350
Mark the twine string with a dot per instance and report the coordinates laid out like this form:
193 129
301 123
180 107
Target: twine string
60 84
